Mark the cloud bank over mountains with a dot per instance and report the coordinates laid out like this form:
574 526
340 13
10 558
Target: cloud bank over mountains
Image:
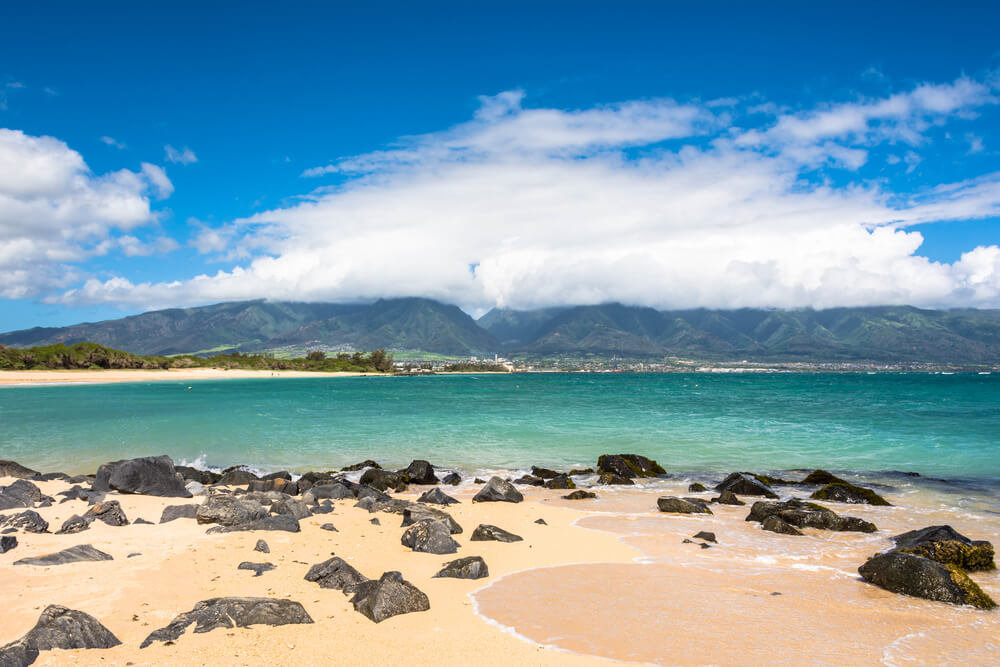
663 203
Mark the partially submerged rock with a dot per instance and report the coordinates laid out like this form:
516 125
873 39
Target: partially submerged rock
57 628
705 535
677 505
231 612
560 482
437 497
775 524
484 532
727 498
845 492
79 553
149 476
361 466
946 545
420 472
383 479
544 473
696 487
530 480
389 596
430 536
820 478
580 494
336 573
803 514
746 484
498 490
471 567
452 479
629 466
921 577
610 479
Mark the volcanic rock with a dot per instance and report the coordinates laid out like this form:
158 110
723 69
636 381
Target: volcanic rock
171 512
420 472
498 490
389 596
921 577
745 484
472 567
946 545
149 476
81 552
433 537
57 627
231 612
682 505
437 497
484 532
337 574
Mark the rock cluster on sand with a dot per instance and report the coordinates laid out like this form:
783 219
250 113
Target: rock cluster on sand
389 596
484 532
231 612
149 476
23 493
498 490
57 627
472 567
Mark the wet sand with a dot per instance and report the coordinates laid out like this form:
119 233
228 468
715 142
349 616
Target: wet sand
605 579
176 374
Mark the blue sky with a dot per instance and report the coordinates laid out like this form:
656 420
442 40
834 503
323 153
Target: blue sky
539 153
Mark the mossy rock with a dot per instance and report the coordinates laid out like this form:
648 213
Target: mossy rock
767 480
909 574
946 545
974 595
821 478
845 492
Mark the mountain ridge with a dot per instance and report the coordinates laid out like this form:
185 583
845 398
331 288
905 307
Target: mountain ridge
419 325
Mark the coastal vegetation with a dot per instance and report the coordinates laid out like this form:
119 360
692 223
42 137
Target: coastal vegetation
95 357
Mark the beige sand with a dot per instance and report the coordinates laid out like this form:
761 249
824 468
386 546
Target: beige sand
573 584
175 374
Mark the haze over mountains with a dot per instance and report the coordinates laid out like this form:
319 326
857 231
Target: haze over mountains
889 333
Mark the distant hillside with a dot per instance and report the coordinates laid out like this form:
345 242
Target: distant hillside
889 333
248 326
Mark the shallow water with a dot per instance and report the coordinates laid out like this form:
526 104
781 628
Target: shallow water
753 598
939 425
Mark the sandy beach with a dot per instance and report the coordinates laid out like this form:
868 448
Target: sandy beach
602 579
172 374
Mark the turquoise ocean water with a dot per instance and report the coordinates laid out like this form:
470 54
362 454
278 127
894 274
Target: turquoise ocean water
937 425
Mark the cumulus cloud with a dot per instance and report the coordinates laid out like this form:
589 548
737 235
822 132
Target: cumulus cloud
55 213
656 202
183 156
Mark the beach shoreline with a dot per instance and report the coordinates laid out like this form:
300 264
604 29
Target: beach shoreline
609 578
8 378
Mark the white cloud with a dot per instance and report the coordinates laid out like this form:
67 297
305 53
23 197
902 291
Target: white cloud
183 156
54 212
975 143
157 177
111 141
533 207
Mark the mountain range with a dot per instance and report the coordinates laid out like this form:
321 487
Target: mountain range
416 325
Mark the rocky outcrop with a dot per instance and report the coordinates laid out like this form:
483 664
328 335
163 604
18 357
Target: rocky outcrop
498 490
677 505
236 476
206 477
148 476
389 596
10 468
81 552
336 573
433 537
451 479
171 512
420 472
484 532
803 514
57 628
229 613
746 484
629 466
472 567
291 507
415 513
580 494
29 521
609 478
23 493
383 479
334 491
921 577
436 497
946 545
109 511
845 492
283 522
228 510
